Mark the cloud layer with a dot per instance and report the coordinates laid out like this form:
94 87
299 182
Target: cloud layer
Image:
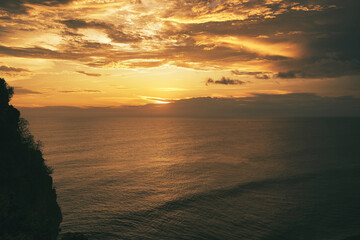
22 6
313 38
284 42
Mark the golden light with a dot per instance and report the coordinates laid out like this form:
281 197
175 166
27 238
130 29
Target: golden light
253 45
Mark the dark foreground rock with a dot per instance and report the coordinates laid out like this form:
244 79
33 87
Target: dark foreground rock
28 207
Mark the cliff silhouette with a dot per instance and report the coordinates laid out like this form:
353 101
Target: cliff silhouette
28 207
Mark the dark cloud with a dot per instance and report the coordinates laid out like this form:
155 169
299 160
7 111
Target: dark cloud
24 91
318 68
331 43
257 75
19 6
259 17
89 74
327 32
78 23
291 74
225 81
340 32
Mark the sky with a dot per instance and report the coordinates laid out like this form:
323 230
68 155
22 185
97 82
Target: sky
113 53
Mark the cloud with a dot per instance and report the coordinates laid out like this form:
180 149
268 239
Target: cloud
24 91
88 53
237 72
257 75
89 74
37 52
80 91
318 68
5 18
22 6
113 32
225 81
325 41
291 74
12 71
78 23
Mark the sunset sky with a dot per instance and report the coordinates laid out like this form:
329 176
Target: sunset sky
98 53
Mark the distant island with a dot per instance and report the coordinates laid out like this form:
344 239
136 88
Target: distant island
28 206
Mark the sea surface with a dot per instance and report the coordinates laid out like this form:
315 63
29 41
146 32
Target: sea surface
181 178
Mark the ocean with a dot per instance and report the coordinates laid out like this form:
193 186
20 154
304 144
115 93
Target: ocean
182 178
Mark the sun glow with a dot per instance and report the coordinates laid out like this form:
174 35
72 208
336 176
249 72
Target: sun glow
94 35
161 102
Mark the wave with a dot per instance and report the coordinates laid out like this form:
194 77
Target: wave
234 191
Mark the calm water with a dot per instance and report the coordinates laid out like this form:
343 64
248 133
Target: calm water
172 178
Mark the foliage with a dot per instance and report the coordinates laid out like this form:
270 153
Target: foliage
6 92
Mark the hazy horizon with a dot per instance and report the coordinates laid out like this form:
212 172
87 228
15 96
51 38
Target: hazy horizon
261 105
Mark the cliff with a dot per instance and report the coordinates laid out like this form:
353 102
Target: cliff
28 207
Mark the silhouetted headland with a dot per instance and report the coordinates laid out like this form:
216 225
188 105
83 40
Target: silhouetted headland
28 207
